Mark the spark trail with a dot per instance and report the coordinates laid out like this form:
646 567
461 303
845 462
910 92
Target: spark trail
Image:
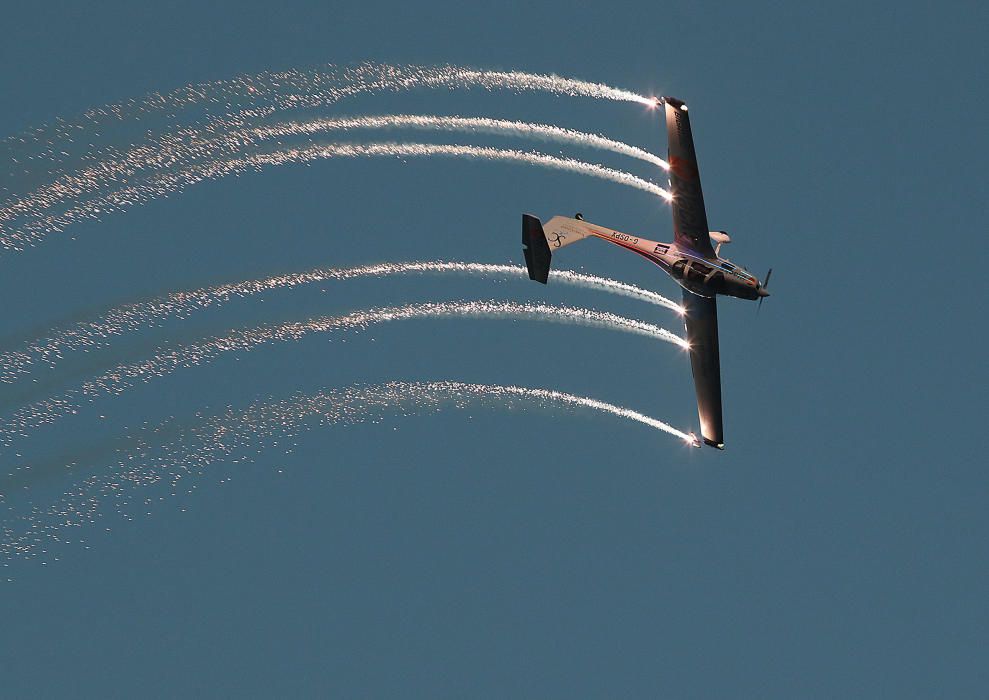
166 183
233 104
480 125
175 465
268 92
97 333
124 376
193 147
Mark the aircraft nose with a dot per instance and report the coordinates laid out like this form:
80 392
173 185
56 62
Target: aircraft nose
762 292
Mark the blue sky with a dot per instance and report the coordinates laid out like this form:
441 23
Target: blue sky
835 549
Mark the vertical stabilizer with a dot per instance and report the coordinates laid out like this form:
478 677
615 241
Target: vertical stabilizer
535 248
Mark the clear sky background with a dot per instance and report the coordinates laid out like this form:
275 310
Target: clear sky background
836 549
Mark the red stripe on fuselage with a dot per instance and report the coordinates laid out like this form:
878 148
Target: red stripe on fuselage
648 256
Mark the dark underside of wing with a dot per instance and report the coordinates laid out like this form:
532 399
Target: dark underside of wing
701 320
689 216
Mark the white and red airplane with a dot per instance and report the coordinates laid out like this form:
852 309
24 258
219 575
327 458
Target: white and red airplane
690 259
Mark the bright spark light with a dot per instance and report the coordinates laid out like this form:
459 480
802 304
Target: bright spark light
122 377
230 104
97 333
163 184
164 459
193 147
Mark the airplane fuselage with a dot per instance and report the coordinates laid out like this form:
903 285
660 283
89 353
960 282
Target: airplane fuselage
705 277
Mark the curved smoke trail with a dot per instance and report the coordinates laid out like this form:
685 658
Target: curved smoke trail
175 464
192 147
230 105
166 183
96 333
122 377
280 90
472 125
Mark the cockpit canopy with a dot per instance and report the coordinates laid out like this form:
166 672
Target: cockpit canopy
737 270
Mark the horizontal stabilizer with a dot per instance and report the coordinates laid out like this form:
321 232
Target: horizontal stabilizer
536 249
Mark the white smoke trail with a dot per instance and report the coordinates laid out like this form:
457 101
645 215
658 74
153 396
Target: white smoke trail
193 147
122 377
291 89
501 393
451 76
232 104
481 125
97 333
175 464
166 183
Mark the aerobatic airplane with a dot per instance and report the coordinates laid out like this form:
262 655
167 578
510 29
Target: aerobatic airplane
690 259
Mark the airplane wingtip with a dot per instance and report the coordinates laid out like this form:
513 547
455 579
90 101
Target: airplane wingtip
712 443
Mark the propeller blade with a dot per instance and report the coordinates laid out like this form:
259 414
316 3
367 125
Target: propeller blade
765 285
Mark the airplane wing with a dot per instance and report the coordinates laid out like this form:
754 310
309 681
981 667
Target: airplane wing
701 320
689 215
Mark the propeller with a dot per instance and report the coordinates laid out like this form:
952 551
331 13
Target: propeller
765 284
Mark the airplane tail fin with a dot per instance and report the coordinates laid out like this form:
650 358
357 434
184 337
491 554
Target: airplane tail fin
536 249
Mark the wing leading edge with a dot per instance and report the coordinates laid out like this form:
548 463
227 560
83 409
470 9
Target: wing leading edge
701 320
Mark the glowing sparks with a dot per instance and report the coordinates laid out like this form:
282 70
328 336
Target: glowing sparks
516 80
97 333
271 91
145 469
193 146
122 377
480 125
231 119
166 183
233 110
